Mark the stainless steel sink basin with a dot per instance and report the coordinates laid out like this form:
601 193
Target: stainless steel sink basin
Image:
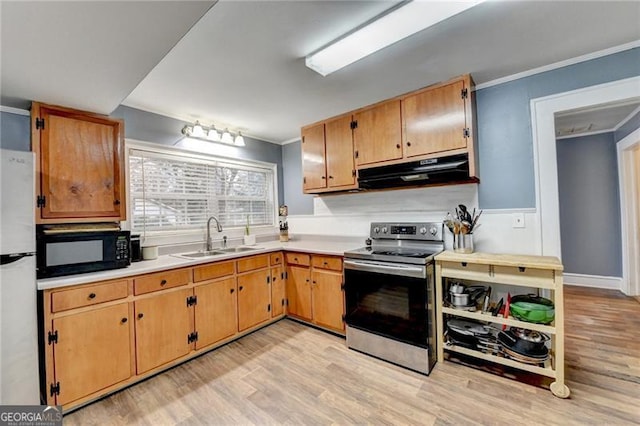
237 249
198 254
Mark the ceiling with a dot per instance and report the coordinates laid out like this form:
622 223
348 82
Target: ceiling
242 64
603 118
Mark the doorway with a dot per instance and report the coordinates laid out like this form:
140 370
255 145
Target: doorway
543 112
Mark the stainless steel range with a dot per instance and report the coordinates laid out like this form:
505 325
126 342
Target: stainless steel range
390 294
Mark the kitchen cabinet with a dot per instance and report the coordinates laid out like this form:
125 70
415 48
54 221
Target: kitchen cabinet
254 299
377 133
278 291
79 165
314 290
527 271
216 316
435 119
328 156
91 351
163 326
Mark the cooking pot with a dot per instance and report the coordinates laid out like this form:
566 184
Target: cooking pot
532 308
467 297
525 346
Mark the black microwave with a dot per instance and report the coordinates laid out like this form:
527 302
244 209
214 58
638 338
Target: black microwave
68 251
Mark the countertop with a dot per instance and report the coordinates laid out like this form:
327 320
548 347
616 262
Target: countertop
319 245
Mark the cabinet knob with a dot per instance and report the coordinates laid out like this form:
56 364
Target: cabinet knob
123 320
240 288
140 315
408 143
325 263
92 295
231 290
116 202
464 264
274 279
295 259
163 282
324 177
521 268
314 282
398 145
330 177
307 280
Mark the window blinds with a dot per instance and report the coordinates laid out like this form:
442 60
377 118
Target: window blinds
172 193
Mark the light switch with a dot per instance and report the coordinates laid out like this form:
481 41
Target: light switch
517 220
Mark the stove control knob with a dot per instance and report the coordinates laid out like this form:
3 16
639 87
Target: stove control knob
423 230
376 230
433 231
384 229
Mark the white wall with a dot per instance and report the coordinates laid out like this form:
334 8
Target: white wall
351 215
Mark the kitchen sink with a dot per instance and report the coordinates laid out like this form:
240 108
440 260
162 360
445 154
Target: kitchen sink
198 254
237 249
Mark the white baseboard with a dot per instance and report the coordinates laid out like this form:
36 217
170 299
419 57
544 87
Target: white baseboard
598 281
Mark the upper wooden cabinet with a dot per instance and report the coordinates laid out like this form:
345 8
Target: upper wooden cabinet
80 165
377 133
327 156
435 120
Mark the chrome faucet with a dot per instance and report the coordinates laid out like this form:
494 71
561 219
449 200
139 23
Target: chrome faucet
209 241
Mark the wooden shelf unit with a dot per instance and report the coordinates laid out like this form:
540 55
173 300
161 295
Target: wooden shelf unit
542 272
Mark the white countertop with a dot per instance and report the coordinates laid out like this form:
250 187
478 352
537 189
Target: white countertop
325 245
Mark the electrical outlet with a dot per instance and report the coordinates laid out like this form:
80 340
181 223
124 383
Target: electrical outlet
517 220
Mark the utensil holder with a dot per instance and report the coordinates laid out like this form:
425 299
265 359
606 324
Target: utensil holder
463 243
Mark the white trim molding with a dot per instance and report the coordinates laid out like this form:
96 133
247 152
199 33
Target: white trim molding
543 112
12 110
596 281
561 64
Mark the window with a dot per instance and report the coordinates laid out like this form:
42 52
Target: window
180 191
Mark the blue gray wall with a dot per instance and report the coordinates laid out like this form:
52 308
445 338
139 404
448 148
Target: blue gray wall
505 141
15 131
590 227
297 202
627 128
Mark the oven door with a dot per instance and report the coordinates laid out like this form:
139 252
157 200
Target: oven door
388 299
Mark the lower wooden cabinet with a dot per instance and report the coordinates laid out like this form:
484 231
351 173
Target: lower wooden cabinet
278 291
299 292
216 316
92 351
328 305
254 299
163 325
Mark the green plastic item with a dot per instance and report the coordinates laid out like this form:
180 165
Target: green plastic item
542 312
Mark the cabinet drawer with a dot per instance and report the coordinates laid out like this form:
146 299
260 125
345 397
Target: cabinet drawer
90 295
525 276
298 259
161 281
215 270
276 259
327 262
464 270
253 262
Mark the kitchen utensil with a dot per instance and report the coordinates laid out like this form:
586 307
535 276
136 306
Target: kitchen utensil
457 288
521 346
530 335
497 308
468 327
531 308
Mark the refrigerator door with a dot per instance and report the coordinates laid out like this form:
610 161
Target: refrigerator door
17 202
19 382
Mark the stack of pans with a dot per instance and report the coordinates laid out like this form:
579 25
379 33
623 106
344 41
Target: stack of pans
524 345
472 335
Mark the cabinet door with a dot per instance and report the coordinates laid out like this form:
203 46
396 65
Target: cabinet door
328 299
216 312
378 136
299 292
314 168
81 165
163 324
93 351
254 299
341 169
434 120
277 291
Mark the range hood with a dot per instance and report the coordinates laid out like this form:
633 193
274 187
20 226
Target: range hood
454 168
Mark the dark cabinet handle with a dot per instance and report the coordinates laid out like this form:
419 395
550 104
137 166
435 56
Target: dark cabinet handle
521 268
123 320
464 264
324 177
295 259
231 290
274 279
307 280
92 295
240 288
140 315
314 282
398 145
330 177
116 202
325 263
408 143
163 282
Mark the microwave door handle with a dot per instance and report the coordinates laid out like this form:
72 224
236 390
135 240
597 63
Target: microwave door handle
372 267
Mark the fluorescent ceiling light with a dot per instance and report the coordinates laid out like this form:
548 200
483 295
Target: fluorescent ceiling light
382 31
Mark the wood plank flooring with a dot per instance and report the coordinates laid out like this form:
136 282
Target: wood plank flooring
289 373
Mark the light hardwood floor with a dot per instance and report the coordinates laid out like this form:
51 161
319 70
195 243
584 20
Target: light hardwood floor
289 373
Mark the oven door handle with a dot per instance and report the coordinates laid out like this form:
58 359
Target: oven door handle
415 271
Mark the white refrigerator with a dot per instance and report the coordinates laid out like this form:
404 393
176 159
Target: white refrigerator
19 383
